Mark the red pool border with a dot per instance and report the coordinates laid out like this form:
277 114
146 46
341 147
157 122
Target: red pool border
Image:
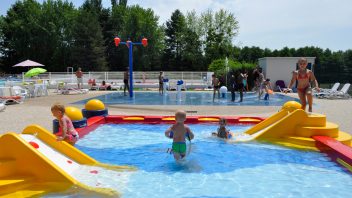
338 152
94 122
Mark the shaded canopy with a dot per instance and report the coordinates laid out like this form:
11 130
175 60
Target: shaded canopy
28 63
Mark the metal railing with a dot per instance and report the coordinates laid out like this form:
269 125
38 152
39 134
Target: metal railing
138 76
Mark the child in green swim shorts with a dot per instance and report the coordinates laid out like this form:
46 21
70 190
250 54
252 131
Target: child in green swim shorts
178 132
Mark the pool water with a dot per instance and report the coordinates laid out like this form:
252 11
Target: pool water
189 98
214 168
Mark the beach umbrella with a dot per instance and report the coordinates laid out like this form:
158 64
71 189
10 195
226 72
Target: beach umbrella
34 72
28 63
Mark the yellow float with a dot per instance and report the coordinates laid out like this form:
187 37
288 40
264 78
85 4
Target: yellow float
94 105
74 113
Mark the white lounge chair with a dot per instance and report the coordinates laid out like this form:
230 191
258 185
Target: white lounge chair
67 89
7 97
341 94
2 106
324 92
19 91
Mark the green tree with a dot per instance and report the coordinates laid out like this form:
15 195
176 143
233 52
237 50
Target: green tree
134 23
57 20
22 33
174 41
88 49
192 55
218 31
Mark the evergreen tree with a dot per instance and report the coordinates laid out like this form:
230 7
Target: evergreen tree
88 50
174 41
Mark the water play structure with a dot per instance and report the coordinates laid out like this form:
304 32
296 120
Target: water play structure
34 163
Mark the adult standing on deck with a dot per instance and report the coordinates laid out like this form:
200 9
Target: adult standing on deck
125 82
240 85
255 77
79 75
233 87
216 85
161 83
261 80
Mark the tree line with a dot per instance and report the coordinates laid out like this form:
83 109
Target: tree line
58 35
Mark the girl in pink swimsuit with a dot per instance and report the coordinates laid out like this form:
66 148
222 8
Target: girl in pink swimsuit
304 78
69 133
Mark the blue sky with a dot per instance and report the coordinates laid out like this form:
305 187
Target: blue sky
267 23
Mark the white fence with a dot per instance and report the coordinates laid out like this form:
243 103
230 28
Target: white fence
192 79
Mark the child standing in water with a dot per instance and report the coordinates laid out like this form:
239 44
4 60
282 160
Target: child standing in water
69 133
304 77
178 132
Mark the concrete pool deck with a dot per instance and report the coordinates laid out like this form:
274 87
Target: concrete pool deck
37 111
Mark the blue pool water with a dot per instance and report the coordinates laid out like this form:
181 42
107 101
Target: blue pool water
214 168
189 98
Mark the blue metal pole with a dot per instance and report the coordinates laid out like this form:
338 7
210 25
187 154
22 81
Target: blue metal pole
131 68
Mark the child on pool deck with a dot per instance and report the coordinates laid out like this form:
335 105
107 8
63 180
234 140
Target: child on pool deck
69 133
304 78
223 132
177 132
268 89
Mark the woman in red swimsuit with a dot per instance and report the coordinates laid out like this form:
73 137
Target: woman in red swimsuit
304 78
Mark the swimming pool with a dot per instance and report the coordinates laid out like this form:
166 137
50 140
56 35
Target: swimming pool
214 167
189 98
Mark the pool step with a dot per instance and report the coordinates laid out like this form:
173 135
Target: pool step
12 184
315 120
343 137
330 130
7 166
304 141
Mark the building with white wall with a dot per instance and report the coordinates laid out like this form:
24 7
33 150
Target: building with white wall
280 68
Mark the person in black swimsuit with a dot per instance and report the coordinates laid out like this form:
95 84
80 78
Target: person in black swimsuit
216 85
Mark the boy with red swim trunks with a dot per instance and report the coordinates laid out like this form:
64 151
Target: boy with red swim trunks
304 78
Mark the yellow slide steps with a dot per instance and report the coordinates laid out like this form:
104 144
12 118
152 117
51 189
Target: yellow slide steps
26 172
295 129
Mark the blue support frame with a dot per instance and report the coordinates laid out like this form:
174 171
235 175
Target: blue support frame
130 63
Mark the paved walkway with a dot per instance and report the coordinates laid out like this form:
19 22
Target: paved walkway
37 111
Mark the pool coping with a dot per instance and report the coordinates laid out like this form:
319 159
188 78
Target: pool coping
94 122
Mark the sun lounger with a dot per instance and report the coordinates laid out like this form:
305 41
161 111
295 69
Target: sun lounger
324 92
19 91
341 94
7 96
2 106
67 89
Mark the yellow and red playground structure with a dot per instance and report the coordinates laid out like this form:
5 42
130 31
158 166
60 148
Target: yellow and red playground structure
33 163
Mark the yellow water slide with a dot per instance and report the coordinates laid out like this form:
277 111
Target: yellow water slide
27 169
295 128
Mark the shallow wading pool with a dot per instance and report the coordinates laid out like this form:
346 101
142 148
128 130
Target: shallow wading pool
214 168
